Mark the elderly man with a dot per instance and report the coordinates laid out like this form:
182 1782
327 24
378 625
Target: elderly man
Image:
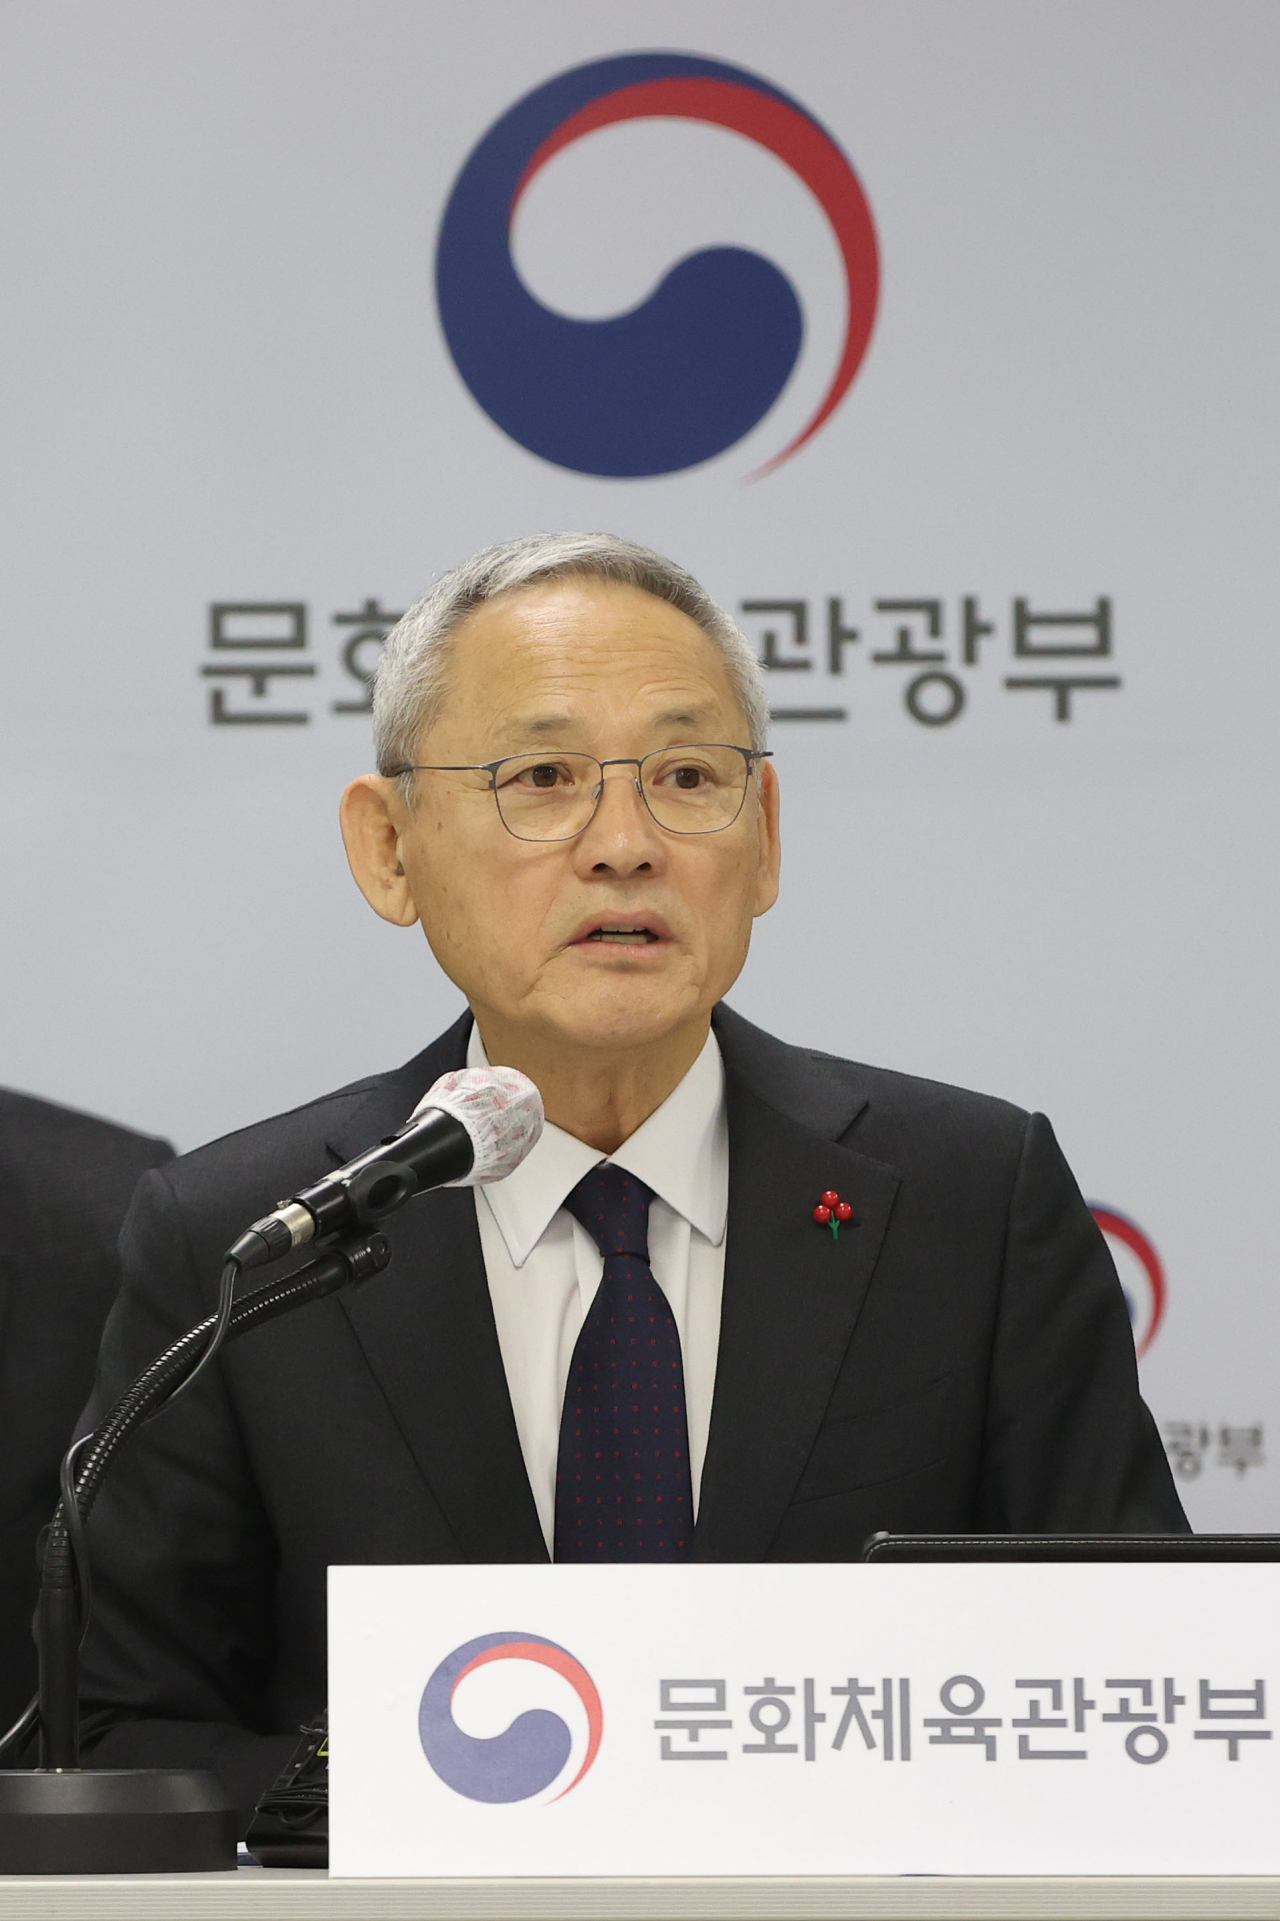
576 804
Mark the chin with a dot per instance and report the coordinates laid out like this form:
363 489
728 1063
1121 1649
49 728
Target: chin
612 1020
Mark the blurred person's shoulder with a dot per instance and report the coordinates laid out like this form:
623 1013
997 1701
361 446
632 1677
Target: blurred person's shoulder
59 1156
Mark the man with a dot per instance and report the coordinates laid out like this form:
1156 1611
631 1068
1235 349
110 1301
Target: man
66 1180
642 1345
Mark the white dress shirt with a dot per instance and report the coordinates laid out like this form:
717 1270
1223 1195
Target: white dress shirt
544 1268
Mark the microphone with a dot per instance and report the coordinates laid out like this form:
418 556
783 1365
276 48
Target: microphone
473 1126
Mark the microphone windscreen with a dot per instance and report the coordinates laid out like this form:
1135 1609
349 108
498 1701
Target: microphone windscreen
500 1108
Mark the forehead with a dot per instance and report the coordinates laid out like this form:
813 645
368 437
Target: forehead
578 644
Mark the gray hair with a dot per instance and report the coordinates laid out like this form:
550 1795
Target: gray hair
410 686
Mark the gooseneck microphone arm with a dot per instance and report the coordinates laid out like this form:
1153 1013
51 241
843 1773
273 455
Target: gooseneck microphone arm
64 1590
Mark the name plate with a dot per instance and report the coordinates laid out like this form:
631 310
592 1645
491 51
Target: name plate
790 1720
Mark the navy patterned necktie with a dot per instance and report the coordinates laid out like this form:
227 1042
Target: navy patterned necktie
623 1488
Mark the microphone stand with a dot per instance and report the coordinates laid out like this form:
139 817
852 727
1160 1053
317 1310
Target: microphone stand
56 1818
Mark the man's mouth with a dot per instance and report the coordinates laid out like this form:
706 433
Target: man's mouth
651 930
626 935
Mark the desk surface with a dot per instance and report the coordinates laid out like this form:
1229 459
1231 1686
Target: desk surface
251 1894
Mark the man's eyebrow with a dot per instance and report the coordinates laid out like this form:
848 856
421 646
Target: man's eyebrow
537 727
683 717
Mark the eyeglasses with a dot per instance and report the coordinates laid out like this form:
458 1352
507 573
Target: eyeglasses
688 790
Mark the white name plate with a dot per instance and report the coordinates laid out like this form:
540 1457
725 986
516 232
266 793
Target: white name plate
789 1720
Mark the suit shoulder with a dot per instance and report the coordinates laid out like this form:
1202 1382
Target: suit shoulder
32 1129
914 1095
204 1199
67 1176
929 1127
220 1187
275 1141
894 1116
194 1207
67 1179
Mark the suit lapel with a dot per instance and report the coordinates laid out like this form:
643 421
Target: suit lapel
791 1301
427 1331
792 1294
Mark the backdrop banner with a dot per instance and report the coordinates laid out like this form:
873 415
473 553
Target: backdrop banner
938 341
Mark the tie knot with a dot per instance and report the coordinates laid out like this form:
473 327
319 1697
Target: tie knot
613 1206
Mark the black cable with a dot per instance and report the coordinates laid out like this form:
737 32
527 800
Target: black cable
221 1322
70 1509
159 1384
23 1725
70 1506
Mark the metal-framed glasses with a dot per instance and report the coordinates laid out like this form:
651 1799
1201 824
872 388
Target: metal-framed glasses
554 796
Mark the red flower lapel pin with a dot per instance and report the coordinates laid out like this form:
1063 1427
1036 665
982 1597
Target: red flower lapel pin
832 1211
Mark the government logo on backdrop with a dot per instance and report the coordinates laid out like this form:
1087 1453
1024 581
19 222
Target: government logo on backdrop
532 1751
1141 1273
693 368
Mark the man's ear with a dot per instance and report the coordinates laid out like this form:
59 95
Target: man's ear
770 840
372 814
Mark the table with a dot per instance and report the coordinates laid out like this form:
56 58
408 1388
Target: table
256 1894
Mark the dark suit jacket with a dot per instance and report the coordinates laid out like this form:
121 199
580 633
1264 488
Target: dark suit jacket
959 1360
66 1181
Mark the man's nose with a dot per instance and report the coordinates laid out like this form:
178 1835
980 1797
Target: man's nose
622 833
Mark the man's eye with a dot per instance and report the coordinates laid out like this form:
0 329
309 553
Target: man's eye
541 776
685 776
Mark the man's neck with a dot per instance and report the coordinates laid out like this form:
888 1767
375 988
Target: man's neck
597 1095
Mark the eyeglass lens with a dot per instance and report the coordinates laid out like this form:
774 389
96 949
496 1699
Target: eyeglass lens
688 790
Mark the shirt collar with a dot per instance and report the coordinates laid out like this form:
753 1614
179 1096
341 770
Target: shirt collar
681 1152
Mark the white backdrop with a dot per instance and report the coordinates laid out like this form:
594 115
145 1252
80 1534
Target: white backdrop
225 381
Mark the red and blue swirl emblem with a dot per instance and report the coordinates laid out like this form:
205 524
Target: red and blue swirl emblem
1141 1273
693 368
527 1756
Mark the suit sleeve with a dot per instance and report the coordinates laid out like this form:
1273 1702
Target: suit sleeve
1070 1445
176 1664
